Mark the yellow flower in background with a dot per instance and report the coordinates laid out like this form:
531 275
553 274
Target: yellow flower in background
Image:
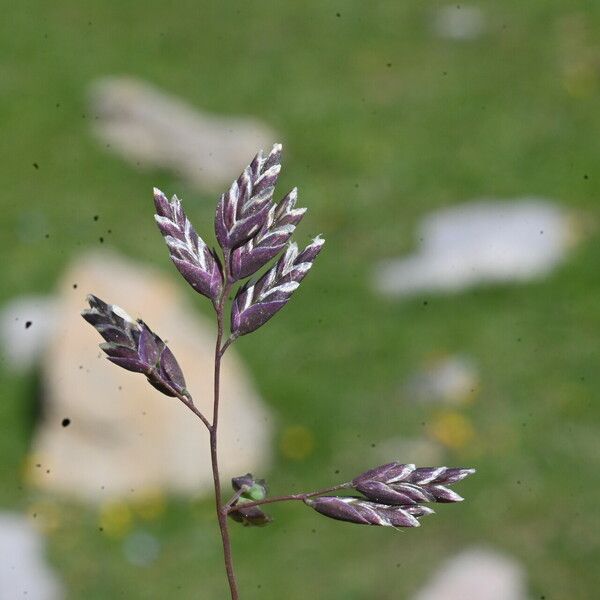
150 505
452 429
115 519
578 55
44 515
32 468
297 442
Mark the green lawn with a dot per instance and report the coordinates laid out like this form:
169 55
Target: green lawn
383 122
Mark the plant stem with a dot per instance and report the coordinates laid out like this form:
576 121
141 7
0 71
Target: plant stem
301 497
213 430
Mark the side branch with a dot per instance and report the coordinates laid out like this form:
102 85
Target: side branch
189 402
230 507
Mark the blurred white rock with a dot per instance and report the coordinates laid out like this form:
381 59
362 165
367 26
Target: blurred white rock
477 574
26 325
459 22
152 128
123 437
24 572
449 379
480 242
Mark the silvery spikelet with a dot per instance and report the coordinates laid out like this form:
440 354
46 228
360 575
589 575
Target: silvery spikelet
362 512
243 209
132 345
400 484
192 257
257 301
269 240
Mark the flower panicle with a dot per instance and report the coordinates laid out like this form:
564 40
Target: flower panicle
394 494
133 346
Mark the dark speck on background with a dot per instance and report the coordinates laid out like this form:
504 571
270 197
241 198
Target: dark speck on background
65 422
36 166
28 324
96 217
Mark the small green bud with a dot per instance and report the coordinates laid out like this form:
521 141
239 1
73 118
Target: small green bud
250 488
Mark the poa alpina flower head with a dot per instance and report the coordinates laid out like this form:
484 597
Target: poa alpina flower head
252 230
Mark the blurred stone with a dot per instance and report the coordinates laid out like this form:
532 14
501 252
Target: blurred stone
451 380
124 440
459 22
26 325
23 569
477 573
152 128
480 242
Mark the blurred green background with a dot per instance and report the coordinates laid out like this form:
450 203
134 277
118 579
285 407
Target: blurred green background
383 122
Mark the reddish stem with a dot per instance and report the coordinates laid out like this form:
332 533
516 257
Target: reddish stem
213 429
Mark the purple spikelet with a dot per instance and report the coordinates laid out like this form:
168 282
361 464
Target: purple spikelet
269 240
257 301
362 512
192 257
132 345
243 209
401 484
